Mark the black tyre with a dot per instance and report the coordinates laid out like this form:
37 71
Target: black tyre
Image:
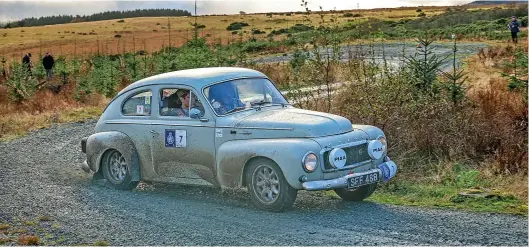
116 171
268 188
358 194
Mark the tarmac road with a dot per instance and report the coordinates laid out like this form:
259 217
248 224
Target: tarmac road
40 175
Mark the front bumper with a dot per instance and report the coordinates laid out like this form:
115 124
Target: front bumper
385 170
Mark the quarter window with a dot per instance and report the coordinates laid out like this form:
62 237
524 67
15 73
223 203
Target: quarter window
138 105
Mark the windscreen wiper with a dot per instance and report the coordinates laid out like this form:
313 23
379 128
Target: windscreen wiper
238 108
260 102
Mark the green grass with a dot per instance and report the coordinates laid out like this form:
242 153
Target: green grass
101 243
481 193
440 196
30 223
447 196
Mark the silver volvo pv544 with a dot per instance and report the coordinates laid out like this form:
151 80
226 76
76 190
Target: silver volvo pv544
231 127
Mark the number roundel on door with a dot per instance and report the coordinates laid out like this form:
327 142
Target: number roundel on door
175 138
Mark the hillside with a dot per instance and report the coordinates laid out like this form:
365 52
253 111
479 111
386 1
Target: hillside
108 15
153 33
495 2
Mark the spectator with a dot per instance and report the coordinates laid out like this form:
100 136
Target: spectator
47 62
514 26
26 61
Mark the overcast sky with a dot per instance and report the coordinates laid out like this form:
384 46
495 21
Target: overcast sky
15 10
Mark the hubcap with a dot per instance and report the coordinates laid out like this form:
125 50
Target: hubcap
266 184
117 167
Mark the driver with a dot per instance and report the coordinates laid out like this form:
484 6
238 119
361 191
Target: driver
224 97
183 95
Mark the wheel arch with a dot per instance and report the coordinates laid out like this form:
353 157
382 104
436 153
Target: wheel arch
233 158
243 181
99 144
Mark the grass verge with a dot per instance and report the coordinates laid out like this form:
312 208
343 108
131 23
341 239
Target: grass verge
441 196
465 189
19 124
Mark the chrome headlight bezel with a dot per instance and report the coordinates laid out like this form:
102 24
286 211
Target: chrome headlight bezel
309 162
384 142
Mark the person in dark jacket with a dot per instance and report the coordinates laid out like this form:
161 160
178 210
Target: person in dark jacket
514 27
47 62
26 61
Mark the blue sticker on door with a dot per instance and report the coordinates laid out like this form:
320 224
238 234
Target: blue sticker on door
175 138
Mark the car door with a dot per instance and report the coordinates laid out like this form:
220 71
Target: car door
183 146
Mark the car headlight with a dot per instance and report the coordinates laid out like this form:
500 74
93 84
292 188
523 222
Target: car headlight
384 143
310 162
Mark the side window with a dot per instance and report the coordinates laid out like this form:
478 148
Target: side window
180 102
138 105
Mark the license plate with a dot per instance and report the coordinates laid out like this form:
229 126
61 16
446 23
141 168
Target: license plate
361 180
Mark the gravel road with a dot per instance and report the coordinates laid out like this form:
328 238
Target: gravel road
40 175
392 51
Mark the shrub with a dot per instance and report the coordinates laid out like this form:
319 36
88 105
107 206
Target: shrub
301 28
21 84
279 31
198 25
236 26
257 31
348 15
255 46
422 14
28 240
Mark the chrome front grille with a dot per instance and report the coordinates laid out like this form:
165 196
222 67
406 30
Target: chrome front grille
355 154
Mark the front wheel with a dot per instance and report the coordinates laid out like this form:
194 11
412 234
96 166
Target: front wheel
358 194
116 171
267 186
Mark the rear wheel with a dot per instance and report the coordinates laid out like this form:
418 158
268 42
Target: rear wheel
116 171
358 194
267 186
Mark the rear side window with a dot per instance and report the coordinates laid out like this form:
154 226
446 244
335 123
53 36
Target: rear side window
138 105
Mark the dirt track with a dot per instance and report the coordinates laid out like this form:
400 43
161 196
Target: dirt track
40 175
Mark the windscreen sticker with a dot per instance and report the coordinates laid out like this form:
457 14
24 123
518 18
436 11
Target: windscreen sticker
147 100
175 138
140 109
218 132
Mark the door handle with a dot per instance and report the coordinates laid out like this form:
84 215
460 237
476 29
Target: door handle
154 132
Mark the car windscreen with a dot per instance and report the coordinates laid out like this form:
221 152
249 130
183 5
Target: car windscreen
241 94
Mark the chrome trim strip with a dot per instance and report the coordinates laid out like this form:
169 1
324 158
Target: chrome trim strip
345 145
150 123
336 183
260 128
351 166
190 125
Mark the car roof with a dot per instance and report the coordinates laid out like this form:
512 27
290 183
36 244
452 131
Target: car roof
196 78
